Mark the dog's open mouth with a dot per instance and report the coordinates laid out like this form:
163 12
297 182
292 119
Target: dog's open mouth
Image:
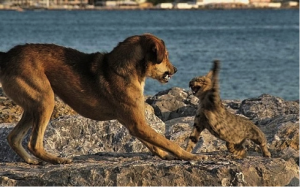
167 76
195 89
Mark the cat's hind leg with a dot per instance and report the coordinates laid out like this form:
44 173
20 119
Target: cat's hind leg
258 137
237 150
262 142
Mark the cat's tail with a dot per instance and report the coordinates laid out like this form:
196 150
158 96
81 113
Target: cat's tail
1 55
215 79
1 59
215 70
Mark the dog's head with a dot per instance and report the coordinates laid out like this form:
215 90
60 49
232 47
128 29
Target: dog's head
156 58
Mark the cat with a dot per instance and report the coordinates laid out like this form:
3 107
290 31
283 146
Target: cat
213 116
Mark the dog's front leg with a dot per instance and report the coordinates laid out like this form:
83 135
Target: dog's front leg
137 126
157 151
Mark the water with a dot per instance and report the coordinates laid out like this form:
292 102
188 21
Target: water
258 49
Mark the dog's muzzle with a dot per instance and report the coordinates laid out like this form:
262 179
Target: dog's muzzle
167 76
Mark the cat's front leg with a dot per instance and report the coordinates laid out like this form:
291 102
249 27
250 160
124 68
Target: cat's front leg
195 134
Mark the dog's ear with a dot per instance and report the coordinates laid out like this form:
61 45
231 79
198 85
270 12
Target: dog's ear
158 51
155 48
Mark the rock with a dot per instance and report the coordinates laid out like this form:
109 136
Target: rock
141 169
173 103
265 107
11 113
176 102
281 128
75 135
61 109
282 137
106 154
179 129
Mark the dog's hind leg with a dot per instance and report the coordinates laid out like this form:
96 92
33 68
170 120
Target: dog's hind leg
36 97
16 136
43 110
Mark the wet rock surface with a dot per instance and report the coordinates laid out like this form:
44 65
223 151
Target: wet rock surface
104 153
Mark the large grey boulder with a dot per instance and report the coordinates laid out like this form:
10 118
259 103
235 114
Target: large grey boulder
106 154
70 136
282 137
278 119
173 103
11 113
119 169
177 102
264 108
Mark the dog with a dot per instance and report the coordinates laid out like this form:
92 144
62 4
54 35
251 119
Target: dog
99 86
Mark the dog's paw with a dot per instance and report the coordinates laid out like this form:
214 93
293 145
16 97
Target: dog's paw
169 157
267 154
201 157
61 161
65 161
33 161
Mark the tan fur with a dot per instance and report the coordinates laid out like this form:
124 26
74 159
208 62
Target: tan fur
100 86
213 116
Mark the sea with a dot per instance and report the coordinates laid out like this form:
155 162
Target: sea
258 48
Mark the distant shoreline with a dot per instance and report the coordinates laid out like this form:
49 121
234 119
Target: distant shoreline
133 5
20 9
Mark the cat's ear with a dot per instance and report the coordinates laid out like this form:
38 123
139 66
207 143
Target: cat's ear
209 75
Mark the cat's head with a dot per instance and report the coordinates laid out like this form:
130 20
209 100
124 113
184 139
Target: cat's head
202 84
199 85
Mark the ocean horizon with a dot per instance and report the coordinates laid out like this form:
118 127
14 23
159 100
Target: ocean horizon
258 49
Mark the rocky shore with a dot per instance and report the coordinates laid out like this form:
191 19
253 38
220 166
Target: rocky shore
105 154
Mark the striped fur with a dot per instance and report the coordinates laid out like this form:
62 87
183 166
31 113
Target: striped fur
213 116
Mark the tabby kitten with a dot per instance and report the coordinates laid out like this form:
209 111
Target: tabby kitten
212 115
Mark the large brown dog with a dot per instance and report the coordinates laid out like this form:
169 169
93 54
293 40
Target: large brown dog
100 86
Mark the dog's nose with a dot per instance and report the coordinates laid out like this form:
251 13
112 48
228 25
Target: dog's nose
175 69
